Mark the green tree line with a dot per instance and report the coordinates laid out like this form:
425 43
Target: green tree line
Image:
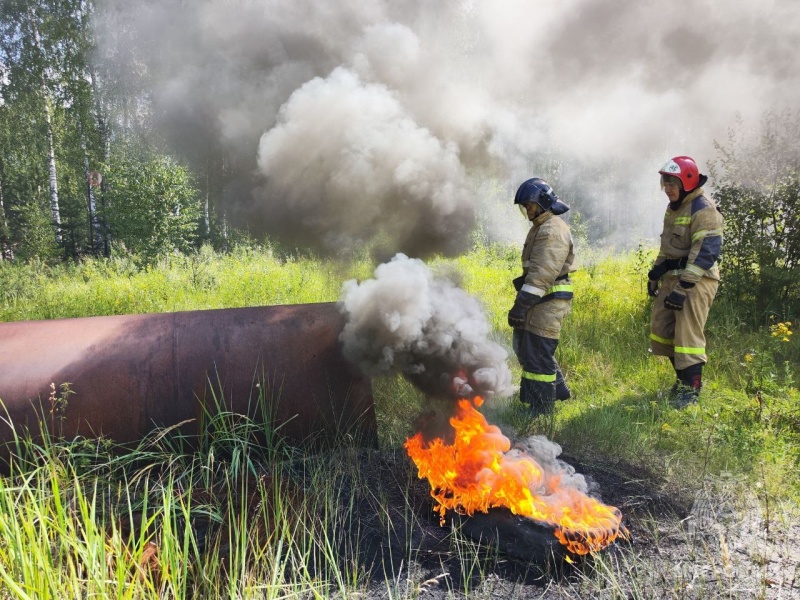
82 172
757 186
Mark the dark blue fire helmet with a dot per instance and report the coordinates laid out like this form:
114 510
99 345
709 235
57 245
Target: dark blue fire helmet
537 191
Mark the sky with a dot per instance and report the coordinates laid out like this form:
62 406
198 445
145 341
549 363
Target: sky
407 125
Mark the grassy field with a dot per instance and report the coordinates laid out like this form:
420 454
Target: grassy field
85 522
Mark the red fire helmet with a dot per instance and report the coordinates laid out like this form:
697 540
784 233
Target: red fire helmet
685 169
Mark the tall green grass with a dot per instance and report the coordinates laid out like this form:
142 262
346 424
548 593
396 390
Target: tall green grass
218 520
748 419
246 277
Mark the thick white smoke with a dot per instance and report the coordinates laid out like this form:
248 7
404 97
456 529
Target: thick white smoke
396 123
407 321
374 171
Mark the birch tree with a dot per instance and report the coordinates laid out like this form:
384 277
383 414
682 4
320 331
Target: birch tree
28 54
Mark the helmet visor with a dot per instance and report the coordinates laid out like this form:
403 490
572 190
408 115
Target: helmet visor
665 179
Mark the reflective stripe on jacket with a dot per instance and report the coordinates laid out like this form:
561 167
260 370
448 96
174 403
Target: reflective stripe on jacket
547 258
691 240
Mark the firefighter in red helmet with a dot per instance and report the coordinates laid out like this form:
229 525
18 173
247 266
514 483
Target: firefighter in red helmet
544 295
685 276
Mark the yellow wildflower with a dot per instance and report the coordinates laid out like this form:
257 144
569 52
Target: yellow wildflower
781 330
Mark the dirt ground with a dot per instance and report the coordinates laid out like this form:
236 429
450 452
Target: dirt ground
710 543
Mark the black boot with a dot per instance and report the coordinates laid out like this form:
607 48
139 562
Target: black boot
691 382
562 389
541 395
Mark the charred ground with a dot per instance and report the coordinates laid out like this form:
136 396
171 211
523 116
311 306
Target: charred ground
679 543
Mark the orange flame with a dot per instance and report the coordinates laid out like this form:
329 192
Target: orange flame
476 472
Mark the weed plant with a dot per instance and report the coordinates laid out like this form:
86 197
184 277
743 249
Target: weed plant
219 518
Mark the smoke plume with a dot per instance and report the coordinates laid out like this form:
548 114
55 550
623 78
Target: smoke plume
398 125
407 321
557 473
374 170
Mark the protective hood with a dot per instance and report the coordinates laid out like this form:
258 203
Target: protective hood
682 195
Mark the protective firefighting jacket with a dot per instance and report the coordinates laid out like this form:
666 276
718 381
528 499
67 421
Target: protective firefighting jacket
691 240
547 258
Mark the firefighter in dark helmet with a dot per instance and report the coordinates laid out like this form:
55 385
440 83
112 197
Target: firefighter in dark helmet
685 276
544 295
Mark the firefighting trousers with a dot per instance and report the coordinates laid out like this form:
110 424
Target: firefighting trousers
535 348
680 334
536 356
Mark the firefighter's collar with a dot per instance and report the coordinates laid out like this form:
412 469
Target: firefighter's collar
542 218
695 193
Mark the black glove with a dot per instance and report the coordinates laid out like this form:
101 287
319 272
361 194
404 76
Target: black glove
652 287
677 296
658 271
675 300
518 282
518 312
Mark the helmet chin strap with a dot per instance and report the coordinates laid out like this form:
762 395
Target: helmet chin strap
537 210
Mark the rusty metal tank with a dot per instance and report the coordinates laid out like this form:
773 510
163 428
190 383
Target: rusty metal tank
133 373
